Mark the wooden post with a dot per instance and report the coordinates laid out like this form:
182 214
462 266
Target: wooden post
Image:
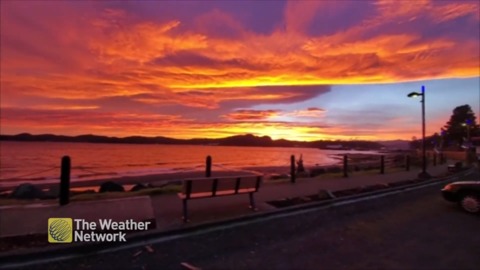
407 163
208 168
382 164
345 166
65 181
292 169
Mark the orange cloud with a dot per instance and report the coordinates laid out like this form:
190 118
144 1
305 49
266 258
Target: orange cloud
124 53
308 113
144 42
80 63
438 12
299 15
62 108
252 115
272 116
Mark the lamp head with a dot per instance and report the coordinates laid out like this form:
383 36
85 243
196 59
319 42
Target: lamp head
414 95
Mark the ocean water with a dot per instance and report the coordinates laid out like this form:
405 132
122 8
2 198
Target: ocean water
40 161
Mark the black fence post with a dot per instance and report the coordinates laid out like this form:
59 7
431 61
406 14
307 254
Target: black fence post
382 164
65 181
407 163
434 159
442 158
345 166
292 169
208 168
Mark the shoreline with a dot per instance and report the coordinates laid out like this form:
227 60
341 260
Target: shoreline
156 180
162 179
159 180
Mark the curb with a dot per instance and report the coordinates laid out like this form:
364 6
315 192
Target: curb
41 255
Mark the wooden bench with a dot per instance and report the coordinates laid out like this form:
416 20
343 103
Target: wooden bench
209 187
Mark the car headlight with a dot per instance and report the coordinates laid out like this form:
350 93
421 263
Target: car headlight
448 187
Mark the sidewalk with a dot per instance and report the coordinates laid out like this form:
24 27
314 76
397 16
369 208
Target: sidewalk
168 208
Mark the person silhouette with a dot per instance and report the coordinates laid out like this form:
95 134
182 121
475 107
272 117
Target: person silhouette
300 167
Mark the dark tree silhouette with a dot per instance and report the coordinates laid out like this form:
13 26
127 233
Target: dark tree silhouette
434 141
415 143
461 124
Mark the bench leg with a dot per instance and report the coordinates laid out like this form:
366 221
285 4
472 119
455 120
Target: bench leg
252 202
185 211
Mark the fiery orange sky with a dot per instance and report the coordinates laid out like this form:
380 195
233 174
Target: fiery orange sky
303 70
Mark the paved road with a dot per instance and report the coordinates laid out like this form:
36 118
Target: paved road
416 230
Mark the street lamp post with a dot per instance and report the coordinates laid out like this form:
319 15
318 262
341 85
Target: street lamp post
467 143
467 125
424 173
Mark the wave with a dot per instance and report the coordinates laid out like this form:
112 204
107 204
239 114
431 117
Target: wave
137 165
13 182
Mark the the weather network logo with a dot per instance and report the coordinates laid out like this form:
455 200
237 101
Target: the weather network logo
60 230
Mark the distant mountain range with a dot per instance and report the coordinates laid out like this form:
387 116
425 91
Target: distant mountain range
240 140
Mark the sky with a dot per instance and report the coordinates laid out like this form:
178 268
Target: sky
298 70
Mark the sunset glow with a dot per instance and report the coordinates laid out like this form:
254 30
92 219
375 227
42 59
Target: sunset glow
300 70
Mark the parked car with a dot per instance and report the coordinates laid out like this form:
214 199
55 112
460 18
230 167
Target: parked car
465 193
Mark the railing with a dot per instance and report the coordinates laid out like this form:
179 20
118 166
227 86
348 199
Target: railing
352 164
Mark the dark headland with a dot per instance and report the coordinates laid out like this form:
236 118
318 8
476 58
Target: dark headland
240 140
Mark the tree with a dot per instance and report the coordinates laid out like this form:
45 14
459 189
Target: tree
462 124
431 142
415 143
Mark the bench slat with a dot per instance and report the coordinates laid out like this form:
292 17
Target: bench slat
248 182
199 186
218 194
211 187
226 184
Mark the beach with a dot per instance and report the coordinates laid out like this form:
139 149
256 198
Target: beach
158 180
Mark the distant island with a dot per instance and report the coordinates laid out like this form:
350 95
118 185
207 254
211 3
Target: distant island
240 140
